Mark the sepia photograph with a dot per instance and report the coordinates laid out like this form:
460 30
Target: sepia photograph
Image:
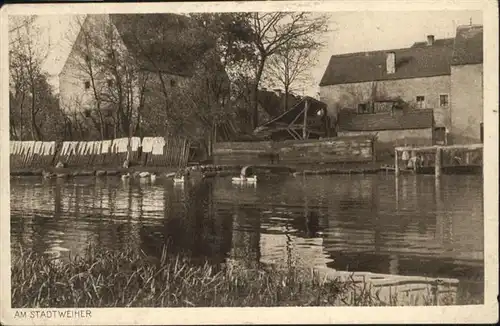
248 155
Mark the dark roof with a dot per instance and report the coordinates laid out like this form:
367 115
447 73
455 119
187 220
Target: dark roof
412 119
294 113
439 42
468 45
413 62
273 104
173 53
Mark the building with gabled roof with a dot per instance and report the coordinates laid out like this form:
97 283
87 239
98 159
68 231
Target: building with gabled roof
435 74
133 65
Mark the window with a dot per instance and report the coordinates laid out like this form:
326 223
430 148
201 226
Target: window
440 136
110 55
86 113
110 82
421 102
173 83
363 108
443 100
87 85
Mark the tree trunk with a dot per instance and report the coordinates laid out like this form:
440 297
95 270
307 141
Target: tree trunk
255 115
287 90
35 131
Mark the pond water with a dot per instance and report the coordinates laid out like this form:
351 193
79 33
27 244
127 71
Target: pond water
354 223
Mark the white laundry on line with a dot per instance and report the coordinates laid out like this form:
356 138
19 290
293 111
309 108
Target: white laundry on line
98 147
37 148
158 145
93 149
74 146
135 143
147 144
106 144
64 148
43 149
81 147
85 148
29 147
123 145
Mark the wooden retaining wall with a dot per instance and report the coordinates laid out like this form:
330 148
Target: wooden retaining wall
292 152
31 154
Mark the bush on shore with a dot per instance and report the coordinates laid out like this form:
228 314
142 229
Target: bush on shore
102 278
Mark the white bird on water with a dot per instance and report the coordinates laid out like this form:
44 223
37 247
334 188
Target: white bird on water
243 176
178 179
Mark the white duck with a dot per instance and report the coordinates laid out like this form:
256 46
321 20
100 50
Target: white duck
243 176
179 179
153 177
126 176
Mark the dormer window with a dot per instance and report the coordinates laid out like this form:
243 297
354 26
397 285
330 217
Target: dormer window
87 84
173 83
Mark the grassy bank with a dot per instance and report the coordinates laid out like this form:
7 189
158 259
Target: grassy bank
130 279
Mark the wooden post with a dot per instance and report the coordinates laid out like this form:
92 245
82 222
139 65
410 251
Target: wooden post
396 163
438 162
304 127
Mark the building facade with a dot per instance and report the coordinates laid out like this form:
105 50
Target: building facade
444 75
467 86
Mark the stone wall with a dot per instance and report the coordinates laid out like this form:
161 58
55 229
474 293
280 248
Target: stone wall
350 95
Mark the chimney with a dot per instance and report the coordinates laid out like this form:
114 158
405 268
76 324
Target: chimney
430 40
391 63
277 91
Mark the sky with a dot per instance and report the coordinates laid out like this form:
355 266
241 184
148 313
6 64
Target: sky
349 32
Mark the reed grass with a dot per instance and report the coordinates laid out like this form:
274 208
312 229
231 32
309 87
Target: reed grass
102 278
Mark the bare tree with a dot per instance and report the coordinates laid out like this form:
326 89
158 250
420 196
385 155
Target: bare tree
32 101
113 77
291 64
273 31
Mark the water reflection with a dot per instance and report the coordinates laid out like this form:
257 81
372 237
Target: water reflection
410 225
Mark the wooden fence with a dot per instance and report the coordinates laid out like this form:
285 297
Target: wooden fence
159 151
330 150
168 151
